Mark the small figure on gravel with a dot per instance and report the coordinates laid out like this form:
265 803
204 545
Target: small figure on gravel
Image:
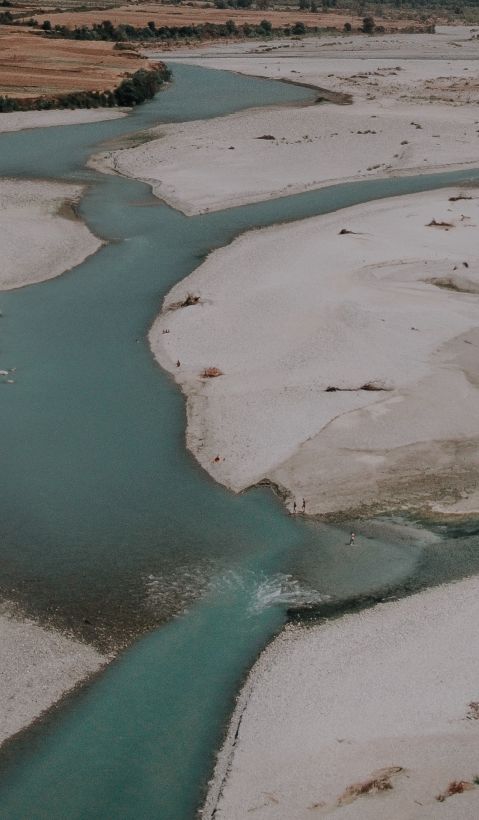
294 507
352 539
178 363
304 505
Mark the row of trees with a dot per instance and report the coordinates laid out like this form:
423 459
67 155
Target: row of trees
206 31
141 86
241 4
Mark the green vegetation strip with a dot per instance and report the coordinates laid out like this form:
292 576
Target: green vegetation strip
206 31
141 86
125 33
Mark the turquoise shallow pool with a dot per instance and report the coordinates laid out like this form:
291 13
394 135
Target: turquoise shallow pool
110 529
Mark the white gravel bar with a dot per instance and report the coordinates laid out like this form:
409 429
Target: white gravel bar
22 120
346 346
41 236
383 694
414 109
37 667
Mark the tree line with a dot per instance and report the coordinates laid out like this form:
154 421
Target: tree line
141 86
206 31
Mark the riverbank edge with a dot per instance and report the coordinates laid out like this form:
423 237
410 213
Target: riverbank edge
71 662
99 163
225 755
239 202
253 679
132 90
55 118
68 209
9 745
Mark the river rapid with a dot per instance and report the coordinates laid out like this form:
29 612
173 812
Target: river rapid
111 531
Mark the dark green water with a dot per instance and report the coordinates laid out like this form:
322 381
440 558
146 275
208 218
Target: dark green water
109 528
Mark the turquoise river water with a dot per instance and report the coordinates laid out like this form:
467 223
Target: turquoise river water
109 528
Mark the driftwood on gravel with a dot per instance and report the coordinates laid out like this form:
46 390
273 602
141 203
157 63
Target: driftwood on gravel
457 198
372 386
379 781
435 224
191 299
455 787
211 373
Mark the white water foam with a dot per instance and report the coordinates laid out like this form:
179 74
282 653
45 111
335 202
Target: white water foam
283 590
263 591
177 590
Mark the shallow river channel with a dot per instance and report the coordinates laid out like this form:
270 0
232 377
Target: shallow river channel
108 527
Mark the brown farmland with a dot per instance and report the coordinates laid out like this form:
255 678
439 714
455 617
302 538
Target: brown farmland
141 14
33 66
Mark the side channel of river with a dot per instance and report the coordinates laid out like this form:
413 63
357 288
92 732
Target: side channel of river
110 529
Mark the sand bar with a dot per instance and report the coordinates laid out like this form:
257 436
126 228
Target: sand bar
22 120
210 165
327 706
37 667
41 235
413 110
347 347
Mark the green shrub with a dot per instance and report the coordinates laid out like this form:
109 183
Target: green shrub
368 25
299 28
